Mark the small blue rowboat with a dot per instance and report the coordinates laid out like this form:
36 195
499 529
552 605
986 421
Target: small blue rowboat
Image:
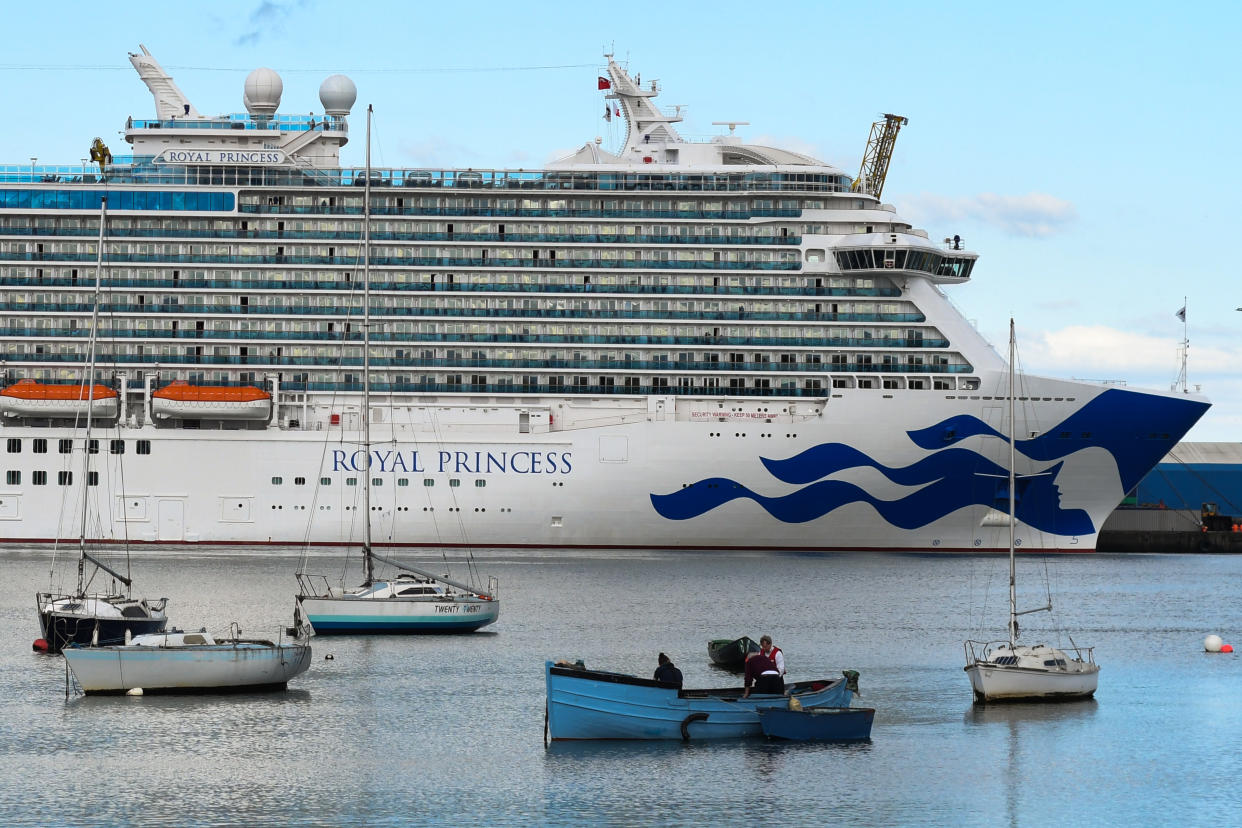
829 724
593 704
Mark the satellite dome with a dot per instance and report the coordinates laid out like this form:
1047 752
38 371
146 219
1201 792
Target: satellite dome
262 92
337 94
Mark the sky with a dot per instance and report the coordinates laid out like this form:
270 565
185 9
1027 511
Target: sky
1073 146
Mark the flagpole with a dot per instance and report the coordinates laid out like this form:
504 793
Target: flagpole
1181 314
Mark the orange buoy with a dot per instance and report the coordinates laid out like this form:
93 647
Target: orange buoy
1226 648
39 645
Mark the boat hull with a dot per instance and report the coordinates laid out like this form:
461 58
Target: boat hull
731 654
1001 683
223 667
346 615
829 724
587 704
661 476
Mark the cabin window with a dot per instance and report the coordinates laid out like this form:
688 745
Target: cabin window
453 481
93 447
143 447
377 481
194 638
351 481
39 445
64 446
13 477
478 484
39 478
64 478
403 481
325 481
299 481
92 478
276 481
14 445
116 446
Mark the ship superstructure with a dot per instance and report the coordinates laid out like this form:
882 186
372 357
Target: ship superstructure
683 343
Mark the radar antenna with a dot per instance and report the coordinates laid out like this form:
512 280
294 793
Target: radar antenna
877 155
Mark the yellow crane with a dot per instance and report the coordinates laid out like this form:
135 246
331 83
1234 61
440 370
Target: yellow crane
877 155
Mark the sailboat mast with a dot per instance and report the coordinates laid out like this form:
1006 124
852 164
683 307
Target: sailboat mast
366 353
89 379
1013 591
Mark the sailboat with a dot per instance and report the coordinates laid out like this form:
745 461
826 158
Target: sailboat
1006 670
81 617
415 601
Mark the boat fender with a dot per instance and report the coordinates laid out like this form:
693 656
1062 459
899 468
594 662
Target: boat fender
39 645
685 724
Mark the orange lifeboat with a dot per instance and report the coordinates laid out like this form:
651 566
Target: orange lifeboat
27 398
180 400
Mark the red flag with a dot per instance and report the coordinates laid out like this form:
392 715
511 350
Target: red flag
618 112
604 83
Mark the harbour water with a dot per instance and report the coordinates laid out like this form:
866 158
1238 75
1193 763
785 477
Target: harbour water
449 730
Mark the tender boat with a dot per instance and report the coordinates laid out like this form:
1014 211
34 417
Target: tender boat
27 398
731 653
593 704
1006 670
188 662
180 400
827 724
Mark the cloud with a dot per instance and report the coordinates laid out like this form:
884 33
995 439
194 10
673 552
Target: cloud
269 18
1035 215
1098 350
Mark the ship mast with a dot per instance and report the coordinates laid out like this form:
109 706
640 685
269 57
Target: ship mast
645 124
369 563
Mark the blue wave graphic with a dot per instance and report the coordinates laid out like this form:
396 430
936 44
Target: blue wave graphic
1136 429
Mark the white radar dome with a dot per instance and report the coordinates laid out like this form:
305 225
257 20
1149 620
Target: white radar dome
262 92
337 94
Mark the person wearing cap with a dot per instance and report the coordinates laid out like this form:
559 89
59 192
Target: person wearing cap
762 673
667 672
773 652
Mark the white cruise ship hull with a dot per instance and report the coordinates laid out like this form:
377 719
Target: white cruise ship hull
869 469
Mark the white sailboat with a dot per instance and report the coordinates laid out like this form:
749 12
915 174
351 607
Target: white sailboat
1006 670
82 617
415 601
189 662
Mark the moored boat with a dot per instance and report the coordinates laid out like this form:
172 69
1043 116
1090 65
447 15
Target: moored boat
828 724
92 620
594 704
406 604
415 601
731 653
188 662
1006 670
218 402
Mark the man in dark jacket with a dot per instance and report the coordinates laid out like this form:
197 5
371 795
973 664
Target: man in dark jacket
667 672
762 673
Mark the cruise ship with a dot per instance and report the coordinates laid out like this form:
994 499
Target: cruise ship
702 344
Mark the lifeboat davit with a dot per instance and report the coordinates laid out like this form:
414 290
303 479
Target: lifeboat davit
180 400
27 398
